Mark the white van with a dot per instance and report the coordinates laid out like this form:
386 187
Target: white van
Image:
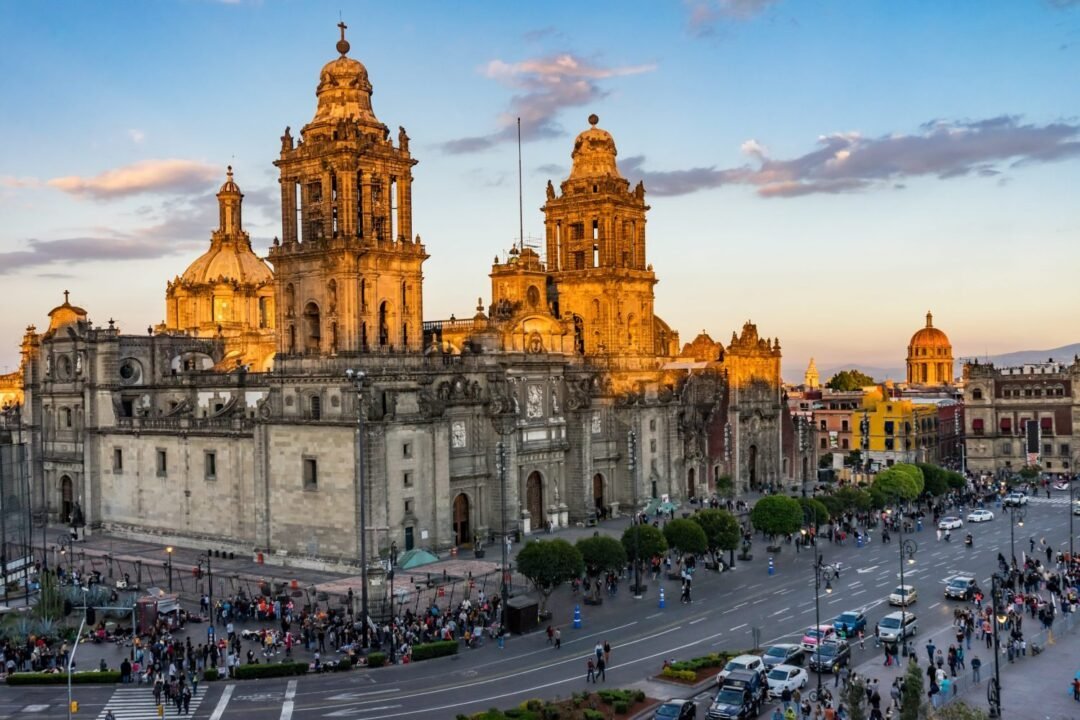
897 626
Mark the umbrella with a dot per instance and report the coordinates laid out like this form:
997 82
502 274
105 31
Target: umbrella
411 559
666 507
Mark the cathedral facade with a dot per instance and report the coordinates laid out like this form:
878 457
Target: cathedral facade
276 409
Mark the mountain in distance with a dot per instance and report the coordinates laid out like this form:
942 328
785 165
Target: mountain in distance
1063 354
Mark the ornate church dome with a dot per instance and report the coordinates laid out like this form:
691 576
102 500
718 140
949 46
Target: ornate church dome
344 91
594 154
929 336
929 356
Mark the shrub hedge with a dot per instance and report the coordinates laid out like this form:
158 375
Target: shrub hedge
685 675
95 677
622 707
376 659
210 674
248 672
426 651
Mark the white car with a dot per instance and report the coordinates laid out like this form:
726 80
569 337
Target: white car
1076 507
753 663
980 516
1015 498
950 523
785 677
903 595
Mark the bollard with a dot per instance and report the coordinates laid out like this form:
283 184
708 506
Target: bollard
662 604
577 617
772 568
918 525
858 541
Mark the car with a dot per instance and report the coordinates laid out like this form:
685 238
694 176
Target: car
903 595
977 516
785 677
1061 485
897 626
961 587
950 523
1015 499
814 634
1076 507
848 624
830 656
741 697
783 654
676 709
753 663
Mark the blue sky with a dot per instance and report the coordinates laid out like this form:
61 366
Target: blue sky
830 170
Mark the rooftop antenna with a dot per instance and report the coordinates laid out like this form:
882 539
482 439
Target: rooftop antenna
521 210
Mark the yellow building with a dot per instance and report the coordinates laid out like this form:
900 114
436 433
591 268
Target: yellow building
898 430
929 357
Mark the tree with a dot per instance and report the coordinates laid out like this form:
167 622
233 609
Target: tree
1030 472
955 480
777 515
897 482
933 479
548 564
644 538
912 705
50 605
722 531
825 461
686 536
601 554
724 486
814 511
854 697
848 380
852 498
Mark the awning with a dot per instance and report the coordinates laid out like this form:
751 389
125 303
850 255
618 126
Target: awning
1006 425
977 425
1047 423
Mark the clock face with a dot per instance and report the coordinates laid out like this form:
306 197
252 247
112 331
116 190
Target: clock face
534 408
458 436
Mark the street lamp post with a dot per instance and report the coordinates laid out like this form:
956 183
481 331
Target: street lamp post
356 377
631 445
168 564
504 421
1016 517
64 545
210 584
908 548
993 688
823 574
393 614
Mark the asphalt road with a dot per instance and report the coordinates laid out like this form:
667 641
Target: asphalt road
725 609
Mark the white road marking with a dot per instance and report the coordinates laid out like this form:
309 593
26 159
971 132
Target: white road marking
347 712
738 626
223 702
934 605
857 592
695 622
356 695
778 612
287 706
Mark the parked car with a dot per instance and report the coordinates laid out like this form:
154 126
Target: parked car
897 626
903 595
741 697
977 516
830 656
961 587
783 654
753 663
813 635
848 624
1015 498
785 677
676 709
1061 485
950 523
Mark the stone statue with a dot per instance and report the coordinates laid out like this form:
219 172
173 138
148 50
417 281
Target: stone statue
403 139
286 140
555 401
550 191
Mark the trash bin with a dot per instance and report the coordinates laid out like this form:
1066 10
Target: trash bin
522 614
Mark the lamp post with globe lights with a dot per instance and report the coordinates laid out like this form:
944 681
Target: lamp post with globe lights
356 377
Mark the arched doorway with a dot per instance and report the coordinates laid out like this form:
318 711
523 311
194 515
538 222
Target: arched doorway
690 484
598 493
461 520
534 499
67 498
751 464
805 468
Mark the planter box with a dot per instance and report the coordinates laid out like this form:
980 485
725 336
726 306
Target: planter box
775 549
479 553
592 601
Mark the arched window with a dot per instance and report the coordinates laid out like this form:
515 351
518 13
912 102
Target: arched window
976 394
384 327
313 328
315 407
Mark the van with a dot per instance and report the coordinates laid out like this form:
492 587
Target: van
897 626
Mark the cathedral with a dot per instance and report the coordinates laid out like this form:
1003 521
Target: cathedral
286 402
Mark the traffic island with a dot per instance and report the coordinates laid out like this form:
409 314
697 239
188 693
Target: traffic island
694 671
600 705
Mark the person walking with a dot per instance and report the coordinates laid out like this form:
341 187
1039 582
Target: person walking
591 675
930 648
600 667
607 653
558 638
976 665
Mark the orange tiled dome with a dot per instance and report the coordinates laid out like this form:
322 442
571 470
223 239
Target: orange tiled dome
929 336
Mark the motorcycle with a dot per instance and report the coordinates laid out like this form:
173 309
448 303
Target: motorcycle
969 541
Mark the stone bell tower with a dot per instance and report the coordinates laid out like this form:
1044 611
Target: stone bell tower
348 271
595 230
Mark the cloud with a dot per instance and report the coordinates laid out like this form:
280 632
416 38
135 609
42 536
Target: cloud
146 176
137 136
1063 4
849 162
11 181
705 14
544 87
550 169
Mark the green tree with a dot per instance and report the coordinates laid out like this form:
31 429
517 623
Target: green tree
934 482
724 486
548 564
1030 472
848 380
601 554
686 537
50 605
955 480
825 461
722 531
854 697
852 498
902 481
649 540
912 705
814 511
777 515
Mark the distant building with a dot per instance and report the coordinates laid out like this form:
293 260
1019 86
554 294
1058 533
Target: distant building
901 430
929 358
812 380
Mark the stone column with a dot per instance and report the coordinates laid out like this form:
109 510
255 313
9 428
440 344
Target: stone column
366 208
288 210
405 207
346 204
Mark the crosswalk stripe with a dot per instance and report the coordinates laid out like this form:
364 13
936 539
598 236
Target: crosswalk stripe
137 703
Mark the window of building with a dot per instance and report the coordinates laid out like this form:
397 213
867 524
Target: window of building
824 444
67 417
579 260
315 407
977 426
824 425
1048 449
406 478
406 450
845 444
210 465
976 394
652 445
311 473
652 424
162 463
1049 464
117 460
1064 450
408 506
890 427
844 426
1006 448
890 444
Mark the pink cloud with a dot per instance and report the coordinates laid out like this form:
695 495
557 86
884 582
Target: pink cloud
146 176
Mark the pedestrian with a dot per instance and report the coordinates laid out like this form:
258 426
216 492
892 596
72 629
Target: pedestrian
550 635
591 675
785 698
607 653
600 667
930 648
862 645
598 651
976 664
1076 689
558 638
